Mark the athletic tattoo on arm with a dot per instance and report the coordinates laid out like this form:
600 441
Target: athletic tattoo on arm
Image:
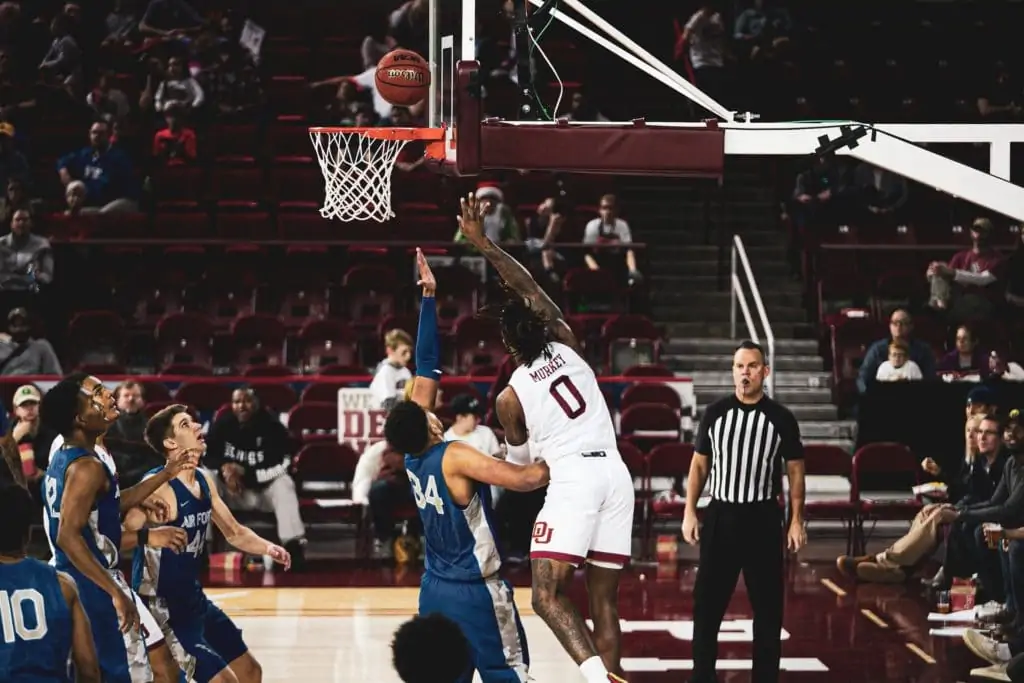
553 606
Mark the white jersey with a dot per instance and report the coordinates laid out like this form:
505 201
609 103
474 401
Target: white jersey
565 410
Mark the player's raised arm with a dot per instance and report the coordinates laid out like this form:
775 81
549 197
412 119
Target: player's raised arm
463 460
83 649
513 273
428 342
237 534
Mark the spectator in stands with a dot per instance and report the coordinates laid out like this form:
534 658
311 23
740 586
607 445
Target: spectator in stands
105 169
366 81
341 111
179 88
500 222
392 373
816 195
899 367
878 193
13 165
26 259
1001 367
122 26
467 410
32 438
74 198
974 481
1001 101
609 228
542 230
170 19
232 84
967 551
175 144
581 108
21 354
704 38
389 492
901 328
758 27
15 198
249 452
62 65
108 102
967 357
126 438
967 286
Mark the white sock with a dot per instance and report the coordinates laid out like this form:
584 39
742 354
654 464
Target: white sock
593 670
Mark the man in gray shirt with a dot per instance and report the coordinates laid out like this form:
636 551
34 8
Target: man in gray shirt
20 354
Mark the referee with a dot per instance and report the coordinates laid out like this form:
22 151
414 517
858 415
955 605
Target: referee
743 443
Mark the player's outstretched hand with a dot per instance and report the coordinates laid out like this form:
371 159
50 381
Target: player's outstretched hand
470 221
426 281
156 509
691 528
182 460
170 537
127 613
280 555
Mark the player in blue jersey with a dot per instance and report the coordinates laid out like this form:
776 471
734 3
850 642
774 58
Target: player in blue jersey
203 639
451 486
83 507
42 620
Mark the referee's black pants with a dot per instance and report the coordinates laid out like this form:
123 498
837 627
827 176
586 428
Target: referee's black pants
738 537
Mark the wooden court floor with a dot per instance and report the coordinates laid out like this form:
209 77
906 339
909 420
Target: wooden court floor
833 631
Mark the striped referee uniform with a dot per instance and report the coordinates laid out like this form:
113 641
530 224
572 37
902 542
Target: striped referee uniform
748 446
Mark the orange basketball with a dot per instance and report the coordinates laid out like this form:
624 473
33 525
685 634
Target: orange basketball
403 78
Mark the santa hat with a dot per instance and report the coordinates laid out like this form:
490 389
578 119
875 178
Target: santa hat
489 190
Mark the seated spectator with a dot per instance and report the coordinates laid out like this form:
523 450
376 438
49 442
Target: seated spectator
62 65
500 223
1001 367
816 195
108 102
899 367
704 40
20 354
170 19
122 26
759 26
31 436
179 88
126 437
392 373
967 357
388 492
542 230
407 28
232 84
467 427
174 145
901 328
16 198
609 228
967 552
74 198
249 452
878 193
974 481
966 286
26 259
105 169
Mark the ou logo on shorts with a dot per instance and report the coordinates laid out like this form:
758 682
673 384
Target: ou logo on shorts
542 533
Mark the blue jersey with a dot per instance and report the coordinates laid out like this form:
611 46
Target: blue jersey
159 572
36 624
102 532
460 541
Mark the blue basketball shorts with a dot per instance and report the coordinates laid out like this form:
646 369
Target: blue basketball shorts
202 638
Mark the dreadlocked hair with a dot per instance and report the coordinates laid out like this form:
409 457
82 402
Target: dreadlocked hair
524 330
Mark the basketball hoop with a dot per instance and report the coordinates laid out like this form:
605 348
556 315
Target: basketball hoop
357 164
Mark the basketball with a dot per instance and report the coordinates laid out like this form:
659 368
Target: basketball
403 78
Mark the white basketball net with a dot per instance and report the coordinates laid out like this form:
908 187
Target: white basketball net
357 174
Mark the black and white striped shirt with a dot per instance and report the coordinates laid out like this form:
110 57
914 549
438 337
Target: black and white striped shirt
747 445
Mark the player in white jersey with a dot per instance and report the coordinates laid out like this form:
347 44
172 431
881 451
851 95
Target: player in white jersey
554 407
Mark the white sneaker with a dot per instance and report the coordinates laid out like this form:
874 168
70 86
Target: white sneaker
996 672
987 648
988 611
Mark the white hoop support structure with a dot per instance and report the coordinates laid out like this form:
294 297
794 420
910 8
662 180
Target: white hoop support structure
357 164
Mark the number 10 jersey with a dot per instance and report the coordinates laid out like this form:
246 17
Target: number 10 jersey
566 413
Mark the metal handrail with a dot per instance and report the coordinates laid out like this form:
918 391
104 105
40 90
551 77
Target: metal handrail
738 251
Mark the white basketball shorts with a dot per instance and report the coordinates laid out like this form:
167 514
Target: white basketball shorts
139 642
588 512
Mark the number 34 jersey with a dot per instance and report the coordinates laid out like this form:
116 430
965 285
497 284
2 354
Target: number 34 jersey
566 413
460 542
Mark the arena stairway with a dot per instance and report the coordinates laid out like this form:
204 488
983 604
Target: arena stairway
690 300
